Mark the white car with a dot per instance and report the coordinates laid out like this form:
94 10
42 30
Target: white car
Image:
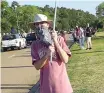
13 41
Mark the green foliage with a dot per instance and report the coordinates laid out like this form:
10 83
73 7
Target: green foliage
100 30
14 5
4 4
20 16
100 12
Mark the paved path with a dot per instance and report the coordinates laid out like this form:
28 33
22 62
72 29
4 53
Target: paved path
17 73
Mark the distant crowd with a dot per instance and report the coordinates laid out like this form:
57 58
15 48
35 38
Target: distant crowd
81 34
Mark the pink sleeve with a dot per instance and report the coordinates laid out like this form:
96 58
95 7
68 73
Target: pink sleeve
34 53
64 46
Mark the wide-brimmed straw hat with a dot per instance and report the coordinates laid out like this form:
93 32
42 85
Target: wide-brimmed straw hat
39 18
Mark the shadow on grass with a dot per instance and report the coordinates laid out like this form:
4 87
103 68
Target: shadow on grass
75 49
88 52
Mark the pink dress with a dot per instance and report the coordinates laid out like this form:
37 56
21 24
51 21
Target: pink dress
53 76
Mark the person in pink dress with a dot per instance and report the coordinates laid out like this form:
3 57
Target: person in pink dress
53 75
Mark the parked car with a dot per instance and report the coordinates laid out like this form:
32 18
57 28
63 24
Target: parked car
13 41
30 38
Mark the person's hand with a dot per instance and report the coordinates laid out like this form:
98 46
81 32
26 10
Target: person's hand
54 35
55 39
50 49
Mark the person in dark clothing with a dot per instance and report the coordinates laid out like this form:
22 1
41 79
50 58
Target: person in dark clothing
93 30
13 31
88 36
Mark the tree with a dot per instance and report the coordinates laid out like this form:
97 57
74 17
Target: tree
14 3
4 4
5 14
100 13
20 16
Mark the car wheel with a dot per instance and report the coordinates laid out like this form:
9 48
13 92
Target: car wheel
4 49
25 45
19 48
12 48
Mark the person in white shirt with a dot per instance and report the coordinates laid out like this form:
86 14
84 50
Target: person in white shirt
81 38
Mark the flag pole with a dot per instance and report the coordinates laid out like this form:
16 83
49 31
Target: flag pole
55 16
54 24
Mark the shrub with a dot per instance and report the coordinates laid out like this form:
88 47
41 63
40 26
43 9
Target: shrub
100 30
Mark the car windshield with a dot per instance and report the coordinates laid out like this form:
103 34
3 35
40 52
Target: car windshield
31 35
17 35
8 37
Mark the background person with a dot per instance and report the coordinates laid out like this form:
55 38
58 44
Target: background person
81 38
88 37
77 33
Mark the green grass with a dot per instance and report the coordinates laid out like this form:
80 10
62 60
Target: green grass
86 67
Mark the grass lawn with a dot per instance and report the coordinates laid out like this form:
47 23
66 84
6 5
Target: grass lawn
86 67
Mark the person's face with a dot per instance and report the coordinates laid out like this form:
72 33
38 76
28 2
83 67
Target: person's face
42 25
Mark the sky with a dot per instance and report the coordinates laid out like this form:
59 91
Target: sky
85 5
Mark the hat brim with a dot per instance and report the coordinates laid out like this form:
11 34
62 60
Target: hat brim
32 24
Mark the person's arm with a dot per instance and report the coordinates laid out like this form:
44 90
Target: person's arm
63 55
36 60
40 63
